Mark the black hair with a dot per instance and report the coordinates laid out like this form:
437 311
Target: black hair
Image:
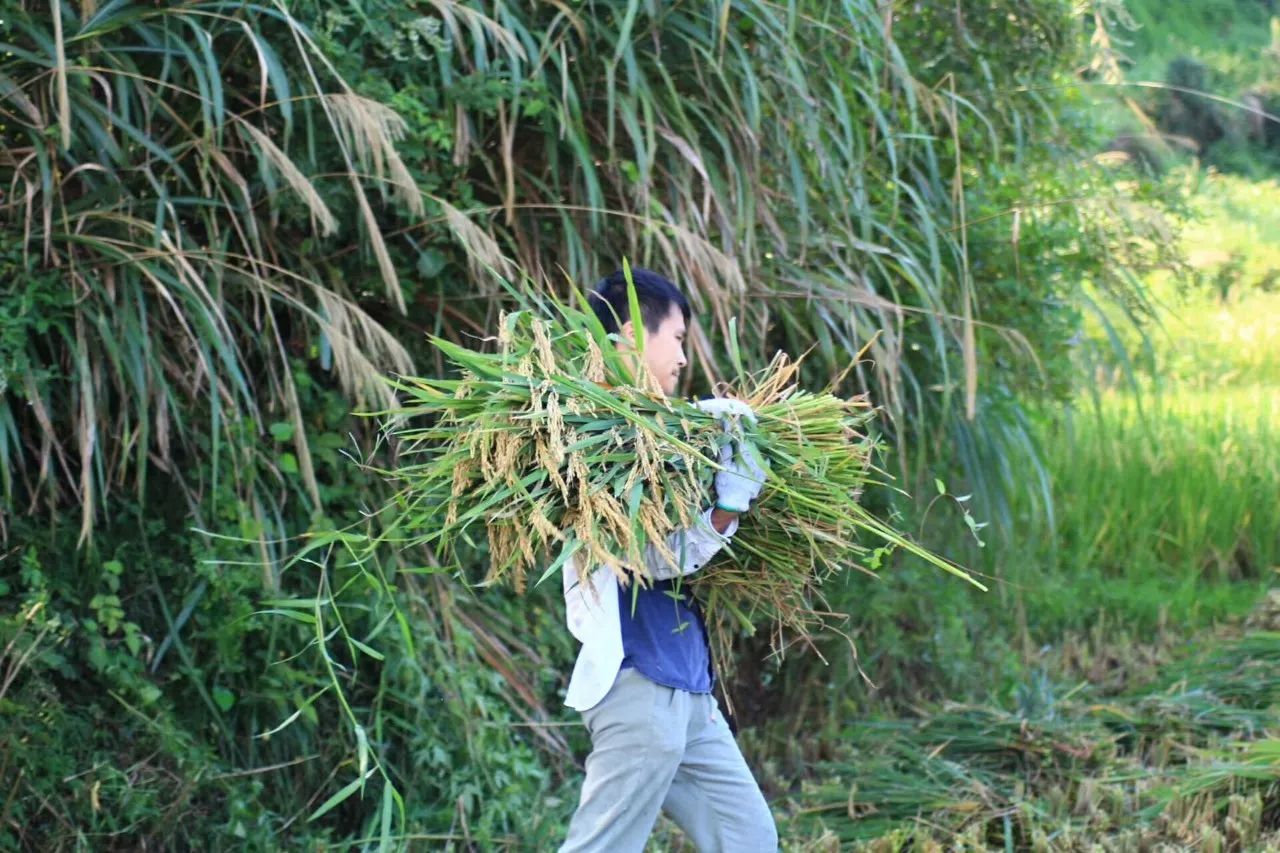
654 293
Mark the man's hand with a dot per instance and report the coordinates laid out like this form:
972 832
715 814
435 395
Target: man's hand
722 519
723 408
742 478
744 473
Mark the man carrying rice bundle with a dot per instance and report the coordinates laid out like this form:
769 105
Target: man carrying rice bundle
639 491
643 678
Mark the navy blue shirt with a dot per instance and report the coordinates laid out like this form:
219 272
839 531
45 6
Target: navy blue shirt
665 638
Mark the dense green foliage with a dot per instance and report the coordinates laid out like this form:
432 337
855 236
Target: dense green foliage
160 248
223 222
1209 81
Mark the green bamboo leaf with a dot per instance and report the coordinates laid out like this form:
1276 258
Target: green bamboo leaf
295 615
341 796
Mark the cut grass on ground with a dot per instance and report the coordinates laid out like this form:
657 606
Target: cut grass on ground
1190 759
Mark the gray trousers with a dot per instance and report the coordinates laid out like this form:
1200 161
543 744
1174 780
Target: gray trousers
655 748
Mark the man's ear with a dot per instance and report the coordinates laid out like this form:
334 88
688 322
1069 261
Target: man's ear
627 331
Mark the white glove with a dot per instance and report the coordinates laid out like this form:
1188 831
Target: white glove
744 474
742 478
723 408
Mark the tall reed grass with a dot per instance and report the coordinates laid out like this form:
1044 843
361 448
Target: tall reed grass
1164 512
1190 479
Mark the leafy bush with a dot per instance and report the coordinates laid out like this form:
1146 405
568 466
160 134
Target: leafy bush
198 285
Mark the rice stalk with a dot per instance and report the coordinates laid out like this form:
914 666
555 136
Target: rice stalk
1170 760
555 448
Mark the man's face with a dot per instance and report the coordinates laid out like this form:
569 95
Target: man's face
663 349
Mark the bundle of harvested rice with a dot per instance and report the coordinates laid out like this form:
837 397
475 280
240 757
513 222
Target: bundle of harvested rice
555 448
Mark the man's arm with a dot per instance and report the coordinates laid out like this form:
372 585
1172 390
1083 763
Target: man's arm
737 483
721 519
693 547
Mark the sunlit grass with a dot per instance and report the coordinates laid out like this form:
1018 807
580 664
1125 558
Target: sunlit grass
1183 469
1165 493
1165 498
1213 345
1189 479
1227 35
1164 480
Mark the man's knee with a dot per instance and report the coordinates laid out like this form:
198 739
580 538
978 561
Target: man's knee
751 829
759 831
764 835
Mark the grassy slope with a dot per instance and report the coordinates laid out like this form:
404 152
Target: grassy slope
1087 720
1165 497
1165 526
1226 35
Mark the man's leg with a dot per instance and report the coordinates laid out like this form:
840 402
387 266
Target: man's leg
713 797
637 737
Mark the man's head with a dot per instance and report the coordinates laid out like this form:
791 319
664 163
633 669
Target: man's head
664 312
